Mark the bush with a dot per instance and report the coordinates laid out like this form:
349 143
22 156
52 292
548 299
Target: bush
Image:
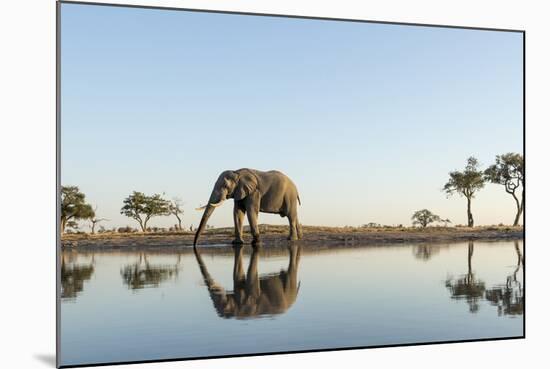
371 225
126 229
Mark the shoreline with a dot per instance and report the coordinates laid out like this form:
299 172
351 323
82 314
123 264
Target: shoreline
276 236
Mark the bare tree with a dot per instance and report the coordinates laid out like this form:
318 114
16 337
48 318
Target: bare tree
94 220
176 209
445 221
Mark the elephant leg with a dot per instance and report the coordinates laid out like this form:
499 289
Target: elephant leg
238 270
253 287
238 216
291 282
252 211
293 224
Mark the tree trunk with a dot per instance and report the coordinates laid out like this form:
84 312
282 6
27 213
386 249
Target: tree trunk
93 227
519 208
63 223
470 254
142 224
179 222
470 216
522 199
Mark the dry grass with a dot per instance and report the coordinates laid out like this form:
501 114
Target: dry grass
313 235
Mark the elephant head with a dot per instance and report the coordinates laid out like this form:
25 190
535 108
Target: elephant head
253 295
230 184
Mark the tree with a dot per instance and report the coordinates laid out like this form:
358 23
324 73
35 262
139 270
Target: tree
176 208
445 221
142 208
73 206
424 217
466 184
425 252
142 274
73 277
467 287
94 220
508 171
508 297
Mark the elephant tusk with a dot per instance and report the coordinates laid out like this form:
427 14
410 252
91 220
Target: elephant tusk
216 204
213 205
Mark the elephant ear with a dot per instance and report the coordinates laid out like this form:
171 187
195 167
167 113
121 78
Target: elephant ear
246 185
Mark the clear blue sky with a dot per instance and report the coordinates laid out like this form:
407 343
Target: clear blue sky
367 119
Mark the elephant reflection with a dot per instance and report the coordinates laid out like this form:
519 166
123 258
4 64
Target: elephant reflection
467 287
254 296
508 298
73 275
143 274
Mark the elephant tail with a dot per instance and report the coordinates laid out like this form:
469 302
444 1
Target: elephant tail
299 202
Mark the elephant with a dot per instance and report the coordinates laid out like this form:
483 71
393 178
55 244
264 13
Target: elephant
254 296
254 191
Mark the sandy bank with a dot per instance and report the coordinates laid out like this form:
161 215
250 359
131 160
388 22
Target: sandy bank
313 236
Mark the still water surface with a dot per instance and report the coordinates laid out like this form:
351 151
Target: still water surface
130 305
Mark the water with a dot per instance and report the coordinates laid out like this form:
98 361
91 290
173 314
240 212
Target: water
127 306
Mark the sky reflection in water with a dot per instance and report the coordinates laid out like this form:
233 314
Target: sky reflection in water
126 306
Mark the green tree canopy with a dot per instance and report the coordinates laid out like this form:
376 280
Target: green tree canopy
142 208
74 206
424 217
508 171
466 183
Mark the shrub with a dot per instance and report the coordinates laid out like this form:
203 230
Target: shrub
126 229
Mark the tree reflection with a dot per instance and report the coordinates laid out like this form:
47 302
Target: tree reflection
467 287
253 295
73 276
508 298
142 273
425 252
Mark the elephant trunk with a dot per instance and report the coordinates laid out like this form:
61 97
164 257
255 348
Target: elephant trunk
217 197
207 212
208 280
